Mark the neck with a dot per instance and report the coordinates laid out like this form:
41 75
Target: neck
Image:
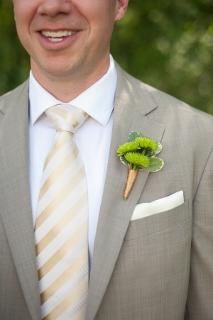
66 88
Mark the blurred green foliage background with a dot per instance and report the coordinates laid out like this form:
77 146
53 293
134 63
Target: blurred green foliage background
168 44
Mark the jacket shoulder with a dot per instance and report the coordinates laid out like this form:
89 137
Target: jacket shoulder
13 95
169 107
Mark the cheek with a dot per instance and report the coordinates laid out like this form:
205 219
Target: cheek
23 16
96 11
23 12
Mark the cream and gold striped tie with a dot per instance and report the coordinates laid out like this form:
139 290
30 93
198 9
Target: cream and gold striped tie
62 222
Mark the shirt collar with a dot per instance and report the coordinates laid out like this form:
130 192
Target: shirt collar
97 100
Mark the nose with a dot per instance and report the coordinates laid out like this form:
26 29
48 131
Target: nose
54 7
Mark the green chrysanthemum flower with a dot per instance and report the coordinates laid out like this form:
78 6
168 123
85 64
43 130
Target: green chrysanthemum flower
143 145
127 147
137 160
147 143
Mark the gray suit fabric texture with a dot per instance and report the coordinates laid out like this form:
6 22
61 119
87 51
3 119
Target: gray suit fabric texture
154 268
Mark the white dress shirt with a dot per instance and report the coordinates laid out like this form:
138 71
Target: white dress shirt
93 139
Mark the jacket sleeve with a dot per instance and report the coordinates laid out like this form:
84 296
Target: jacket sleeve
200 297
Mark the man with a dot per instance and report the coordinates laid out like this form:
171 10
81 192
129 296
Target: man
150 255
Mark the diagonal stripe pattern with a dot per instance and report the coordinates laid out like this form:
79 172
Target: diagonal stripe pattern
62 222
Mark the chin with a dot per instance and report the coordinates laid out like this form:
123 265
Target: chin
58 71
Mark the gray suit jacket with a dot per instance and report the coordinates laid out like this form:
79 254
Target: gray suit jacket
154 268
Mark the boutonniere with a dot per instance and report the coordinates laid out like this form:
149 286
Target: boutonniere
139 153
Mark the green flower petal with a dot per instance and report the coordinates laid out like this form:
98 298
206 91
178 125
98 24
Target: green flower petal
127 147
137 160
147 143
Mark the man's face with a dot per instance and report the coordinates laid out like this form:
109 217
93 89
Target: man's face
67 37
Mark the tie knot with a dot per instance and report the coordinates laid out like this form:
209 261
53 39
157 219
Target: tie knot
66 117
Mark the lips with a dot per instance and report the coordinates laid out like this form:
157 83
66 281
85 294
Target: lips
57 36
58 39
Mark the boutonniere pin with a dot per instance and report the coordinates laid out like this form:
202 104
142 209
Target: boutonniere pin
139 153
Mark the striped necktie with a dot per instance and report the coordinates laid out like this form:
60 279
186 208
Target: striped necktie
62 222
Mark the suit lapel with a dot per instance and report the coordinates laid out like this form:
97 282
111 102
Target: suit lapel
15 195
130 114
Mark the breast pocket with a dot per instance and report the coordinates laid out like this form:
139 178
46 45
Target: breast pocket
173 221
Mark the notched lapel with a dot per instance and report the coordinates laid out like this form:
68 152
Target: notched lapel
15 195
130 114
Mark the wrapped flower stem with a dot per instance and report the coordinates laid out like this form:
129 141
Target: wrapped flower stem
131 178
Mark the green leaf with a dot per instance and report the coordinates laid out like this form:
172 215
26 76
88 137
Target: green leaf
159 148
123 160
156 164
133 135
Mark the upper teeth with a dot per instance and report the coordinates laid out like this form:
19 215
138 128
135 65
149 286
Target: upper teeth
57 34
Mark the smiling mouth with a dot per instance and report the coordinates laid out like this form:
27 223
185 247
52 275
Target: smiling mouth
57 36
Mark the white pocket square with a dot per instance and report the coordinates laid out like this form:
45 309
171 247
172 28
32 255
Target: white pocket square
143 210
